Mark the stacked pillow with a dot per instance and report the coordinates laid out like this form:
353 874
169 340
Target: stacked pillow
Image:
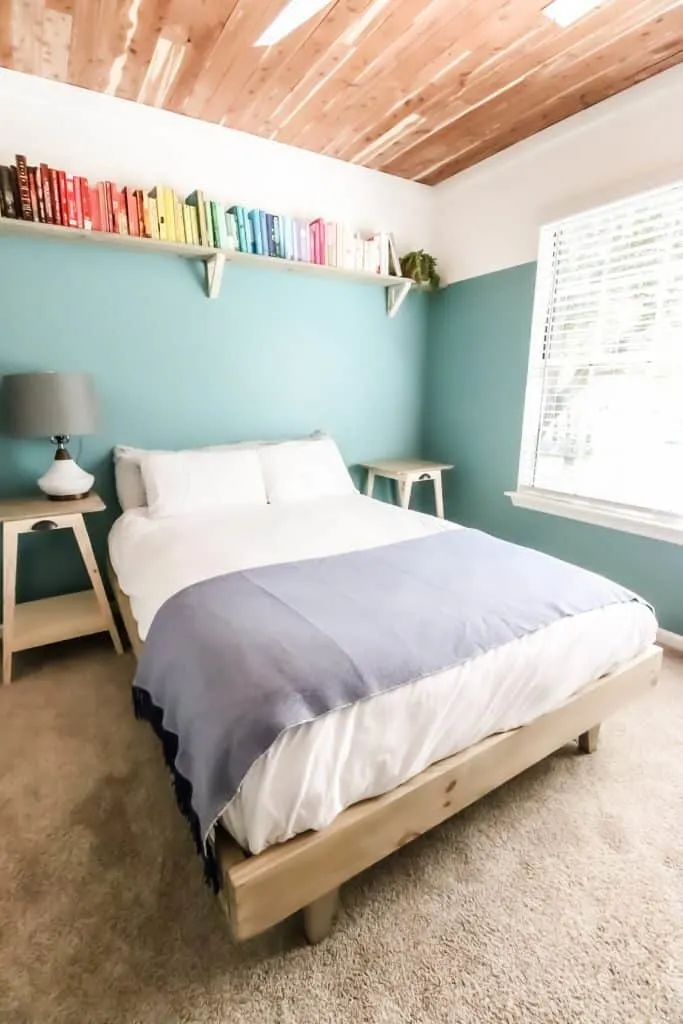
228 476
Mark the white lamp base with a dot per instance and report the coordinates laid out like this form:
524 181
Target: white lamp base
66 481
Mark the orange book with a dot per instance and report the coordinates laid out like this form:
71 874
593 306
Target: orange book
131 212
95 209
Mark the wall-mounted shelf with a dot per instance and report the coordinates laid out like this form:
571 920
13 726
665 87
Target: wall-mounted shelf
215 260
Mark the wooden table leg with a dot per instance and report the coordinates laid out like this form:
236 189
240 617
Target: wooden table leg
438 495
85 547
405 487
10 538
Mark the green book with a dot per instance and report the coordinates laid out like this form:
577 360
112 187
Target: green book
211 241
196 198
222 226
216 217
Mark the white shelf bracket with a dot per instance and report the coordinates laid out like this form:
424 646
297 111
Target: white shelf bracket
396 294
214 274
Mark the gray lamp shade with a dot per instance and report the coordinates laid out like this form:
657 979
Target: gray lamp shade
48 404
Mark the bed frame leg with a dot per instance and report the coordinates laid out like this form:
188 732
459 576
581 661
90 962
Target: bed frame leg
588 741
319 916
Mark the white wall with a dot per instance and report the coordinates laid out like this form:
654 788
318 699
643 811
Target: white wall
100 136
488 216
484 219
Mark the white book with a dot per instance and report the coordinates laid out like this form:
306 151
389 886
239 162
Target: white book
394 264
305 241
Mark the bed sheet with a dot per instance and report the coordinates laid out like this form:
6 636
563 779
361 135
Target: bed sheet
316 770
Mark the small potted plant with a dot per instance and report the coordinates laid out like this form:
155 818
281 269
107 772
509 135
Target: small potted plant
421 268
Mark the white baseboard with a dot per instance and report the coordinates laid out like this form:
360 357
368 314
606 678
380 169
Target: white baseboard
668 639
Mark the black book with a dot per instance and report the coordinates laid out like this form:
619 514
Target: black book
24 188
7 196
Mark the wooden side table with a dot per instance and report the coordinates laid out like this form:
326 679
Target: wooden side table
407 472
35 623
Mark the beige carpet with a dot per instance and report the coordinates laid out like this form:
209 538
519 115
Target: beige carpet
558 898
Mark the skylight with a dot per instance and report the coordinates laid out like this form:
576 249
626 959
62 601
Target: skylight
565 12
292 15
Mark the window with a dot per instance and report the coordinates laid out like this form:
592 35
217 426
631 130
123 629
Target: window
603 417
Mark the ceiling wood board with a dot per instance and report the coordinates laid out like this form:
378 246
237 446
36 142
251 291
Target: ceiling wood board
418 88
573 70
479 84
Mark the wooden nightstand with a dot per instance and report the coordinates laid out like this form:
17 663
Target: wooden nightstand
35 623
407 472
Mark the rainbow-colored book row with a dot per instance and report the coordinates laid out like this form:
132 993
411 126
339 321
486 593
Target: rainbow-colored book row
50 196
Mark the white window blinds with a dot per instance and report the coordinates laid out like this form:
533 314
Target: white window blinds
603 416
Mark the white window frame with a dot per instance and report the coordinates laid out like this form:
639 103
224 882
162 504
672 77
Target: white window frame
616 516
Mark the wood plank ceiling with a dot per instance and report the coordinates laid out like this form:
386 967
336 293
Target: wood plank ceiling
418 88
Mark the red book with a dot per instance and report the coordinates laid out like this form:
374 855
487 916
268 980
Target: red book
84 190
104 205
78 201
132 212
33 190
54 194
95 209
47 193
123 213
71 203
114 194
63 202
108 189
42 212
313 244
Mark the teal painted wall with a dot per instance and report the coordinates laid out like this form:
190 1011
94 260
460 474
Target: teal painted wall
479 334
276 355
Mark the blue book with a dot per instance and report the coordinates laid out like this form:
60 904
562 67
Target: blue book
231 228
242 229
264 233
249 228
289 239
277 236
255 220
270 235
239 220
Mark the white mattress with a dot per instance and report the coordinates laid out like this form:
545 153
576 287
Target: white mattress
313 771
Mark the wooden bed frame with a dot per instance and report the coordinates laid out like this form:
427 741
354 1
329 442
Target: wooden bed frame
306 872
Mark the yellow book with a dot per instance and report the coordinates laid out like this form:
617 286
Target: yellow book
151 205
187 224
180 235
194 224
157 194
169 210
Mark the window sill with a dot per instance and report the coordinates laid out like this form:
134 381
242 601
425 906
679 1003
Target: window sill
658 526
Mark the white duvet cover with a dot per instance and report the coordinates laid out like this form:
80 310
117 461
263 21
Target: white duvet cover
315 770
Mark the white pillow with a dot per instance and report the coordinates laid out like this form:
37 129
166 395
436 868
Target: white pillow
179 483
130 487
304 470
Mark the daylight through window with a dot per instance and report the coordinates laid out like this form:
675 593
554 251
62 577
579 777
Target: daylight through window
603 417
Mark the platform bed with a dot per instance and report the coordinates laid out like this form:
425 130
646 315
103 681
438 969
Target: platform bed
306 872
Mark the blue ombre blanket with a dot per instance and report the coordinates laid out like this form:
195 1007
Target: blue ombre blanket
232 662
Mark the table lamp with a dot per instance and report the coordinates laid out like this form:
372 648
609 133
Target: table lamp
54 405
